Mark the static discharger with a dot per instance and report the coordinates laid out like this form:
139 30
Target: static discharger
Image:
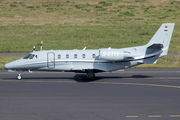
84 48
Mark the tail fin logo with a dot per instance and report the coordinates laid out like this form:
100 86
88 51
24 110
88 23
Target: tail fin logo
166 28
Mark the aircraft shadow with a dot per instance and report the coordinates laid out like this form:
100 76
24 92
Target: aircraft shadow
80 78
83 78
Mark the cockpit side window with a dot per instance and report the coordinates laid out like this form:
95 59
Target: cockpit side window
27 56
30 56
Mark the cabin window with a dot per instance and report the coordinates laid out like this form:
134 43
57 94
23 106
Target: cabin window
59 56
93 55
83 55
75 55
67 56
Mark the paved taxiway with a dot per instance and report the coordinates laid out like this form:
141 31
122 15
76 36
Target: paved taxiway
133 94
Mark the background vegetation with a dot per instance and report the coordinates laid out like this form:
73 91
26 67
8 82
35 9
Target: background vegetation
74 24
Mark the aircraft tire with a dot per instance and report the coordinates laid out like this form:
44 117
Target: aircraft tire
93 78
19 77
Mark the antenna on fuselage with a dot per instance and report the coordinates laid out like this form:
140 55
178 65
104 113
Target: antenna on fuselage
41 45
34 49
84 48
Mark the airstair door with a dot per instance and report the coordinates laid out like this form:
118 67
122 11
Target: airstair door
50 60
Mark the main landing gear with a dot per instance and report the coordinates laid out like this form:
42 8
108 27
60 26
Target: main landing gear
91 75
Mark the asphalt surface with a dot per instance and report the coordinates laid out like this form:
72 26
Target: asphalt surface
132 94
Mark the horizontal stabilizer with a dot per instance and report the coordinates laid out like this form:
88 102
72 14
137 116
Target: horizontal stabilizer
152 53
156 46
151 60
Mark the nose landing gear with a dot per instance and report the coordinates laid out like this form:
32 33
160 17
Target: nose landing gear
19 77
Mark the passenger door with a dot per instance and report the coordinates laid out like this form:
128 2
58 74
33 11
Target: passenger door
51 60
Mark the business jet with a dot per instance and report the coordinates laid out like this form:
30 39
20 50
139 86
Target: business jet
94 61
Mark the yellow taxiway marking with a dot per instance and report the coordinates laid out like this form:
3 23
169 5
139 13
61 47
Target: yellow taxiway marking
151 116
141 84
152 78
154 116
174 115
37 81
113 83
135 116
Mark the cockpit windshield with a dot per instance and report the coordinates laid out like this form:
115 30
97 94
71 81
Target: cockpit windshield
29 56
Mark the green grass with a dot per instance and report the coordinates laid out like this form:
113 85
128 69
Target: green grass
75 24
4 60
70 37
165 62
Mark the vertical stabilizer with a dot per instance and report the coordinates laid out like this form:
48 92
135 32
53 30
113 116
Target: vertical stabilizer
163 37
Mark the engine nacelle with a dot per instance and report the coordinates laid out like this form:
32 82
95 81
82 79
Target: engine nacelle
111 55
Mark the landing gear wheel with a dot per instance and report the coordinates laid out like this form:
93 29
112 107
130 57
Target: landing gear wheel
91 75
93 78
19 77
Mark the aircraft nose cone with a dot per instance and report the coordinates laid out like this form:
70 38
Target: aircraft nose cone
8 66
